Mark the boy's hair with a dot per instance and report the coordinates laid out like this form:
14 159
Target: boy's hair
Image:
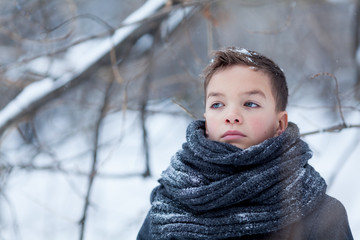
239 56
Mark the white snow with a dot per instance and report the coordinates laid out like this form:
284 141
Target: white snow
30 94
175 19
241 50
80 57
48 205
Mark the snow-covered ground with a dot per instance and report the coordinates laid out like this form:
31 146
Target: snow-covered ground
48 205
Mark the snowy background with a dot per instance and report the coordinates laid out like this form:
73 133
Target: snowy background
52 101
120 205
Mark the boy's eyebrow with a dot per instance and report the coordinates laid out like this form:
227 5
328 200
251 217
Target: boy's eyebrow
256 92
252 92
215 94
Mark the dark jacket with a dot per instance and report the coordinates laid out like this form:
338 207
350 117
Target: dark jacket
328 222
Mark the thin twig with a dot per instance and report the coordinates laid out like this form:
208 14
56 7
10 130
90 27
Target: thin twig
337 95
316 108
17 231
332 129
184 109
60 169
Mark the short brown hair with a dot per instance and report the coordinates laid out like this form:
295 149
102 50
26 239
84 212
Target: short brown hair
239 56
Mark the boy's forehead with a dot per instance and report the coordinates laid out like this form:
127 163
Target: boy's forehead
255 81
248 69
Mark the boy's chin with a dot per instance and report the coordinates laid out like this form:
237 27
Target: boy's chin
239 145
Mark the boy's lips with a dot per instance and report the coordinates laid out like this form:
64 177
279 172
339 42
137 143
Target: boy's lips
232 134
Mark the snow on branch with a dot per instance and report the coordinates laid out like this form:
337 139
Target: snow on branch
30 95
78 60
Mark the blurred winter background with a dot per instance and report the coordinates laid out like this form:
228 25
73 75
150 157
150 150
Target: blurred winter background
95 97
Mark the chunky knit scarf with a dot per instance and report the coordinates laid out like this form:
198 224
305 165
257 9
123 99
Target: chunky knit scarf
214 190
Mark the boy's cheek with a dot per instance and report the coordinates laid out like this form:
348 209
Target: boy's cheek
206 129
259 125
210 129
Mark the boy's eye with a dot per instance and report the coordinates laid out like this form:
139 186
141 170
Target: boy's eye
251 105
216 105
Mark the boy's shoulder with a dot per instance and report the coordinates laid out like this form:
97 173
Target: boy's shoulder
331 204
330 210
328 221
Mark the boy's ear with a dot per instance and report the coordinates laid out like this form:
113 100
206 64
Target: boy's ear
282 122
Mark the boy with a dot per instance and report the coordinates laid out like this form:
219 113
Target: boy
243 172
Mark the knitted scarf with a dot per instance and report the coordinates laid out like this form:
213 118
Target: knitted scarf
214 190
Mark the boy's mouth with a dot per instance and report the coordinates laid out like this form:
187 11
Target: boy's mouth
232 134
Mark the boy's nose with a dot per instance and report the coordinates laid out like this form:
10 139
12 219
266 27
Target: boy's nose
233 119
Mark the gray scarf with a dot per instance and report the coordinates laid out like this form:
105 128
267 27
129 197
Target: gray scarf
214 190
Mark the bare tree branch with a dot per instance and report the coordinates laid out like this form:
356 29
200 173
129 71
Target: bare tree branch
336 128
11 34
93 171
56 167
9 115
337 95
16 228
143 113
132 29
157 16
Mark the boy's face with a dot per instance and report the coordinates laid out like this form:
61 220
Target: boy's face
241 109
